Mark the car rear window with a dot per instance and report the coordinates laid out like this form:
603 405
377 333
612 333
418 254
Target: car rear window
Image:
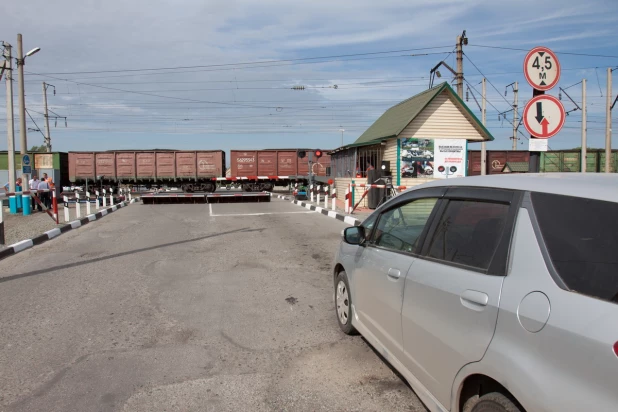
581 236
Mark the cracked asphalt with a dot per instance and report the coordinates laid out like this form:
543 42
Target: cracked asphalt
186 308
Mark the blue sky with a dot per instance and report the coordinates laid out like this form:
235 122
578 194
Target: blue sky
93 53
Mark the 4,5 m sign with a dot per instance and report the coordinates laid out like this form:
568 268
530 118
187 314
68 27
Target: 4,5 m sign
542 68
544 116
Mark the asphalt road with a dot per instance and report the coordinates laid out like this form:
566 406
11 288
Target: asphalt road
186 308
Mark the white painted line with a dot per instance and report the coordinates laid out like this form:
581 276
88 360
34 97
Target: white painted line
210 209
75 224
53 233
23 245
349 220
261 214
332 214
92 217
103 212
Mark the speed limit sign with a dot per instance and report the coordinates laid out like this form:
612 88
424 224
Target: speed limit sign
542 68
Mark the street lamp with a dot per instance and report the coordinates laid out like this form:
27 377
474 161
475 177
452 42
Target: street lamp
342 130
22 105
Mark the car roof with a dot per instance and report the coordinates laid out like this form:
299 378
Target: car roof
599 186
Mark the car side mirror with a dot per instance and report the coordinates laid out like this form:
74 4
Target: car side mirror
354 235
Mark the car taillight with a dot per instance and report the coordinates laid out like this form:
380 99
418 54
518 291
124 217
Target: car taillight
616 348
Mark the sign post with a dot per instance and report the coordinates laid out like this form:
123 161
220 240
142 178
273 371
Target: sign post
542 71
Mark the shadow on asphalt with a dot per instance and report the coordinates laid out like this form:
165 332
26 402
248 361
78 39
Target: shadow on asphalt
130 252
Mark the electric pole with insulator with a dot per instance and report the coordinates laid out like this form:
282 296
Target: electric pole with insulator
459 77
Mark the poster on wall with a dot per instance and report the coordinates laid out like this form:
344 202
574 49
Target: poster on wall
450 158
417 157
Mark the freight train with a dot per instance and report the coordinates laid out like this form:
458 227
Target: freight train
196 170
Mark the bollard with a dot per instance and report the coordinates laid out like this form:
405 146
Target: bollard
26 205
130 196
55 205
318 195
18 198
1 221
66 208
78 207
88 211
334 198
326 192
104 198
347 195
311 191
97 195
13 205
111 197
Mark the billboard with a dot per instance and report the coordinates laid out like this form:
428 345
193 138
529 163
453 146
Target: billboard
450 158
416 158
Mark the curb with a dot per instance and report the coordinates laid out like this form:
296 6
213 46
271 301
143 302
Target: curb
330 213
15 248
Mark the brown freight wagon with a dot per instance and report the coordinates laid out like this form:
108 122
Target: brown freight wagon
190 170
496 160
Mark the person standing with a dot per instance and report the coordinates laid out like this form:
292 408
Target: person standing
44 196
34 185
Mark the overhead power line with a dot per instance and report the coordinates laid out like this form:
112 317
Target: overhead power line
259 62
555 51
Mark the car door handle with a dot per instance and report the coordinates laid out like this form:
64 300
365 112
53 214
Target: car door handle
473 299
394 273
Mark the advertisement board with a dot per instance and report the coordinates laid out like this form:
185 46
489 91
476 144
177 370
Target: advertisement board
417 156
449 158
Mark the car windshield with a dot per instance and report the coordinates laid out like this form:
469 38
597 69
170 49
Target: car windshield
581 236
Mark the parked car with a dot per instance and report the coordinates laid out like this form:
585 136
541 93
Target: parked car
491 293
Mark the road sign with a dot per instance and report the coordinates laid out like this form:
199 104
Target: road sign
25 160
26 170
544 116
542 68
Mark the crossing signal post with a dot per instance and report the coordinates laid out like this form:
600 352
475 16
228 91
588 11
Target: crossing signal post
542 71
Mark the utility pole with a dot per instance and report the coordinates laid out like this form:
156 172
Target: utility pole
10 124
22 105
515 115
608 122
461 40
484 120
47 136
584 119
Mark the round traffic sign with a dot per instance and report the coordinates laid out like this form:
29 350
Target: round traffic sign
544 116
25 160
542 68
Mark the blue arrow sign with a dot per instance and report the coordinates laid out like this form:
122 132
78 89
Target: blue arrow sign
25 160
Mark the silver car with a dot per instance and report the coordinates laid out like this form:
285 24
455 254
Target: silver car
491 293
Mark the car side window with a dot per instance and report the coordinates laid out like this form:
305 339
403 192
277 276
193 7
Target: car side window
400 228
468 232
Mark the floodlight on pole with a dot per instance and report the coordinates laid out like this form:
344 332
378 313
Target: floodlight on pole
33 51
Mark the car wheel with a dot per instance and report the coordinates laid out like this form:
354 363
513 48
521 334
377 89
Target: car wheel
343 304
491 402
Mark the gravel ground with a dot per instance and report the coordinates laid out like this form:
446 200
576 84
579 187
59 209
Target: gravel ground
19 227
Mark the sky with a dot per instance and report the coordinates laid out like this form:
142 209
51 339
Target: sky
188 74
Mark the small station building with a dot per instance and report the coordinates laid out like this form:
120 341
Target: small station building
419 139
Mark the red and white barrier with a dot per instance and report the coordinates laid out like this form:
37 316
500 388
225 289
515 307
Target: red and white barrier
333 196
364 185
104 198
311 192
348 199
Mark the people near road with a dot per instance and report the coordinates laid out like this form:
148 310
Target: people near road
44 196
17 184
34 185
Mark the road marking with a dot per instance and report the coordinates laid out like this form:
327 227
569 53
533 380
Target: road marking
260 214
210 208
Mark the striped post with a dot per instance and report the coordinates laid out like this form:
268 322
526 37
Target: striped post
88 211
104 198
2 221
326 192
55 205
130 195
78 207
111 197
334 198
96 193
311 191
346 201
66 209
318 196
